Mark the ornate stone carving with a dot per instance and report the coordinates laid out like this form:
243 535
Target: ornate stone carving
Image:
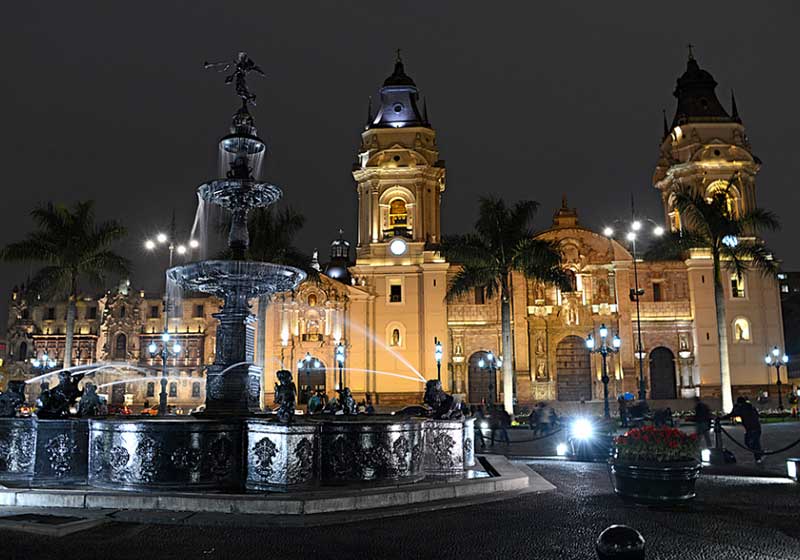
17 451
148 455
301 468
59 454
440 446
220 457
187 459
467 447
264 452
400 449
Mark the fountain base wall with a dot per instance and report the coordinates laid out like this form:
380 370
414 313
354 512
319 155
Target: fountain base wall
43 452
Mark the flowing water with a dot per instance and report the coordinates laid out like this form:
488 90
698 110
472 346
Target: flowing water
386 347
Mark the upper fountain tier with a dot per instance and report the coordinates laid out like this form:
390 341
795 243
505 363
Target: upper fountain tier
241 151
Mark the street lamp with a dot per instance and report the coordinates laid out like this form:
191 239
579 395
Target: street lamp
437 353
43 364
491 363
162 239
164 351
604 350
340 361
635 229
774 358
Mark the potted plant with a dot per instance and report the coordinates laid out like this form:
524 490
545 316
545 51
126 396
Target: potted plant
655 465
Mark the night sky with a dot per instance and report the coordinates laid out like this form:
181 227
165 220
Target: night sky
109 100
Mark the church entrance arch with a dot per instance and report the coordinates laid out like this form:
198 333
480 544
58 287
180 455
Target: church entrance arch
573 370
310 378
662 374
482 385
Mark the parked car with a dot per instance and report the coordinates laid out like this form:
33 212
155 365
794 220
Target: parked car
151 411
119 409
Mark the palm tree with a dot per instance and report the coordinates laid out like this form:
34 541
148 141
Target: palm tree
711 223
73 247
503 242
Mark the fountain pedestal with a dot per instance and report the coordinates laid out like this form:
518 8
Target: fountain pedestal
43 452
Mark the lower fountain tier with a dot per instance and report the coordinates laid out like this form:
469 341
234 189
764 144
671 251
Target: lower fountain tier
261 454
236 280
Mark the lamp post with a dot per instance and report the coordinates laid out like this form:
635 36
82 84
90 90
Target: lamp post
164 351
491 363
162 239
340 361
437 353
604 350
635 228
44 363
774 358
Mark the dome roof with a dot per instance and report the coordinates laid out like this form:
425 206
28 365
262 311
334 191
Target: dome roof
697 99
398 102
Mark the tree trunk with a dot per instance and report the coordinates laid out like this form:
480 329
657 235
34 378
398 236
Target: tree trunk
508 353
722 334
71 312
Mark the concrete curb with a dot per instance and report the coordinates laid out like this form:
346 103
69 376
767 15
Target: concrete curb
512 478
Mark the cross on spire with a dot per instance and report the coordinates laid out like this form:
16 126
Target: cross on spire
399 58
691 54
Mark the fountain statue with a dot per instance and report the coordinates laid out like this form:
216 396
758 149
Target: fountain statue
285 396
442 406
57 402
12 398
91 404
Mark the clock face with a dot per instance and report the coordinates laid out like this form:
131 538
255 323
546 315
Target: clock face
397 247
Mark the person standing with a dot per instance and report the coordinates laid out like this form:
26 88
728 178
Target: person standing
622 404
501 421
480 420
752 426
702 420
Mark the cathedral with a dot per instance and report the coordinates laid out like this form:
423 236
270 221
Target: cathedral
378 319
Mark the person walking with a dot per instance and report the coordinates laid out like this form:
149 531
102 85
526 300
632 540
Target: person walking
752 426
622 405
535 418
480 421
702 420
501 420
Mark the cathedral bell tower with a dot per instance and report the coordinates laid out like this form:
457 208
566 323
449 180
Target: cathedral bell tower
705 147
400 179
399 175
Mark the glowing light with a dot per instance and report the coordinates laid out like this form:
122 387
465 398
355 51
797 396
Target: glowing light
630 236
561 449
775 351
582 429
481 363
194 243
161 238
785 359
152 348
608 232
165 336
636 225
589 342
438 351
768 360
149 244
490 356
791 468
316 364
658 231
730 240
616 342
181 249
484 425
603 331
176 348
705 455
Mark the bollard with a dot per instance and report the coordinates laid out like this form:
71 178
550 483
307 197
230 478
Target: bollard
719 455
620 542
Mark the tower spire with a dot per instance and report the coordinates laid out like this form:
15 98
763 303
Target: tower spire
425 110
734 109
369 112
690 48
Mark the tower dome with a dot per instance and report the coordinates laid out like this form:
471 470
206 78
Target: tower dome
337 268
399 98
697 100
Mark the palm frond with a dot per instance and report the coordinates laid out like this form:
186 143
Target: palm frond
540 260
466 249
751 255
759 219
470 277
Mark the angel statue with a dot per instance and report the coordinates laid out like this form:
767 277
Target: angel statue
242 65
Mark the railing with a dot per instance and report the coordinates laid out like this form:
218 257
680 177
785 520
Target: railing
485 313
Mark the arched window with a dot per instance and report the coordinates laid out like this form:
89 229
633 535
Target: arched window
397 213
121 347
151 389
573 281
196 390
173 389
741 330
22 352
312 300
726 191
395 341
122 312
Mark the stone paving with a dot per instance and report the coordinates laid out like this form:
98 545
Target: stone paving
733 518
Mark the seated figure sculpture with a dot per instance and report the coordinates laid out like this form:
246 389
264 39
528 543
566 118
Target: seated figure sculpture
442 406
91 404
347 402
56 402
12 398
285 396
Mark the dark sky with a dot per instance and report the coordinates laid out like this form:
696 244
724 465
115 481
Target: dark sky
108 100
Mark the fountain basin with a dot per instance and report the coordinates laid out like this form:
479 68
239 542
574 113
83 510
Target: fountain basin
165 454
43 452
281 457
236 278
444 447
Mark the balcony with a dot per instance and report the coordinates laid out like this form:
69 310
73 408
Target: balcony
665 310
